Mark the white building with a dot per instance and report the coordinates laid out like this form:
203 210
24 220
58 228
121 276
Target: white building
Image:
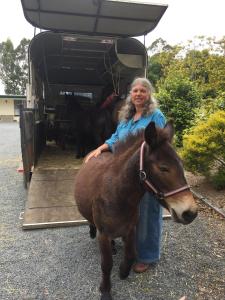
10 107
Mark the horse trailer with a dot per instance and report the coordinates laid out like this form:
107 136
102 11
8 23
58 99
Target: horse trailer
85 50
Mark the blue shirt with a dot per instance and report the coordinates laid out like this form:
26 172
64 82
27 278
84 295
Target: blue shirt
125 128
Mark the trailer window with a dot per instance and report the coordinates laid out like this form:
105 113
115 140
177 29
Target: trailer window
87 95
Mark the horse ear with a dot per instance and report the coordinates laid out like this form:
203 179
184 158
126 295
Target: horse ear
169 127
151 134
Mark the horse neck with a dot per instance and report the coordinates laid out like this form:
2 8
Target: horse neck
129 177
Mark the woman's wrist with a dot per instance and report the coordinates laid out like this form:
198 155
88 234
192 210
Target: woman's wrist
99 149
103 147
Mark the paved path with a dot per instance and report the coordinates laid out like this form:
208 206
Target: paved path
63 263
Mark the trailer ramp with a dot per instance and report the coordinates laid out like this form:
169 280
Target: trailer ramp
50 201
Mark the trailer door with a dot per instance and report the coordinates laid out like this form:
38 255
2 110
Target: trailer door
27 142
94 17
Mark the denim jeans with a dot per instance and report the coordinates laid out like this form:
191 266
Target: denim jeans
149 229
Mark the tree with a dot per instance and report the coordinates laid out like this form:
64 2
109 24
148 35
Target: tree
202 61
207 70
161 55
178 98
200 43
14 66
208 107
189 80
158 46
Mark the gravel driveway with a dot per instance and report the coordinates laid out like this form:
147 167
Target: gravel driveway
63 263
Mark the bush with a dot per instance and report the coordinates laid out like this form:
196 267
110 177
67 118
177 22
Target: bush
204 148
178 98
208 107
218 180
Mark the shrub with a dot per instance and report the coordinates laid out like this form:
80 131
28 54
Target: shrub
204 148
178 98
208 107
218 179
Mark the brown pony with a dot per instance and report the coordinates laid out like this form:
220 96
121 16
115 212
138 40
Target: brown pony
108 190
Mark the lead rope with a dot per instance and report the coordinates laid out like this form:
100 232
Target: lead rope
142 174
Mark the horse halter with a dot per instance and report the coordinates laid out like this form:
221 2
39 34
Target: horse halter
149 185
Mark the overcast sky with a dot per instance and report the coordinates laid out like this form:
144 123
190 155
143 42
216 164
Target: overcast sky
183 20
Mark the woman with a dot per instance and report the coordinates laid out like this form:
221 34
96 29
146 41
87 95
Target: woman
139 110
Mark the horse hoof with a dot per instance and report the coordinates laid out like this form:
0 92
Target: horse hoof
124 275
106 296
124 272
92 231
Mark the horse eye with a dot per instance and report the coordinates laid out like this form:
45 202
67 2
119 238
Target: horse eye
163 169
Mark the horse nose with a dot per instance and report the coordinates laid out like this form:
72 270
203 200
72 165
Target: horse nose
188 216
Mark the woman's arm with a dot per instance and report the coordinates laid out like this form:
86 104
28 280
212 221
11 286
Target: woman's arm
114 138
159 119
97 152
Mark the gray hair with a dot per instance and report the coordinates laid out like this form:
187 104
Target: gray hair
128 110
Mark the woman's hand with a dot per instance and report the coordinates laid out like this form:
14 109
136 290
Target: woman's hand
94 153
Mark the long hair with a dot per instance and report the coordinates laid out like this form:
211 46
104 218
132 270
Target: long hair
128 110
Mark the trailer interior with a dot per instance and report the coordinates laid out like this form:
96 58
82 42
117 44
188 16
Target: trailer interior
86 51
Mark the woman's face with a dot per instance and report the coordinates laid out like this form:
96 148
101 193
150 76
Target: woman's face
139 95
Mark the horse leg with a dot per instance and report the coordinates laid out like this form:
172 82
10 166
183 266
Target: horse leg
106 265
84 144
79 145
113 245
63 141
92 231
129 254
97 138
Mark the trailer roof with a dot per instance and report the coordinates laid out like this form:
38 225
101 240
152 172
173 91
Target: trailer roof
94 17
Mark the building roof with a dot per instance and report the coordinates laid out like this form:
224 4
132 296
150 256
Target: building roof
14 97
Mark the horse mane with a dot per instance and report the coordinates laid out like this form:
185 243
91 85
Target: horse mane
129 142
134 140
